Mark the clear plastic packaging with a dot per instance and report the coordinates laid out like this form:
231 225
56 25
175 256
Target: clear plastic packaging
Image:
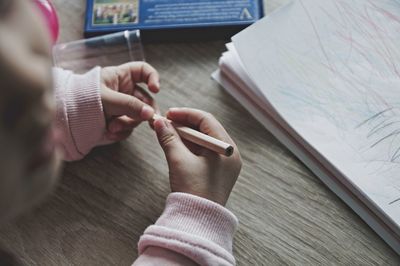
107 50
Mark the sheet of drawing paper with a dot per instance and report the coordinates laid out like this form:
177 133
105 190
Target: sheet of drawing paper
237 89
331 69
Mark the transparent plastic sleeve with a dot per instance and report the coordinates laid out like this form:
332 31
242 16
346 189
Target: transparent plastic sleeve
107 50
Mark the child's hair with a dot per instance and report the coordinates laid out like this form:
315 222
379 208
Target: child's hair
26 107
3 6
25 86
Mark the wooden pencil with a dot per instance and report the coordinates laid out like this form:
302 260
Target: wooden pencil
200 138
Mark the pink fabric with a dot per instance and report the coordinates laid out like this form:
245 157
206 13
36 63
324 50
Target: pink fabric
80 115
194 227
191 230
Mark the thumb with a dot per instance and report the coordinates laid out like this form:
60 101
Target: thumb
118 104
170 141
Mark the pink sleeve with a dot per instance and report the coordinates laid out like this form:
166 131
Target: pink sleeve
80 118
191 228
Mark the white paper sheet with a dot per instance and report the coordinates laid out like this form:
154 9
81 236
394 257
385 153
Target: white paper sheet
331 70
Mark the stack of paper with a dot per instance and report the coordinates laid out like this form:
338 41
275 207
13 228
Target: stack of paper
324 78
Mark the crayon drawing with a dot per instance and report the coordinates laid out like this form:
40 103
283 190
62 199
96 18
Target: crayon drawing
333 73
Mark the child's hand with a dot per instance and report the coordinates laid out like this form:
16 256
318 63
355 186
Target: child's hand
193 169
125 103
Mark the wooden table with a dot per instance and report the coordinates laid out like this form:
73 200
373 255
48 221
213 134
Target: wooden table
104 202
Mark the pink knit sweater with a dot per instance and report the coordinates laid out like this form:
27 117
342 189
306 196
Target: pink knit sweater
190 231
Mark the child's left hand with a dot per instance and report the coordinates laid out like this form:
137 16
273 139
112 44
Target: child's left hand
125 103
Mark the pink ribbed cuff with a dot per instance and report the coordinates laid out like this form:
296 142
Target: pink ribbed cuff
201 217
85 110
195 227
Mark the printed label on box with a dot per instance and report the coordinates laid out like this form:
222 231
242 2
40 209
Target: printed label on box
116 15
195 11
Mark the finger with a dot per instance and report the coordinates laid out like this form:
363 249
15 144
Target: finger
122 123
170 141
118 136
145 96
157 112
142 94
119 104
203 121
142 72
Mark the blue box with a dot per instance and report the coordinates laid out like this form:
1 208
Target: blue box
172 19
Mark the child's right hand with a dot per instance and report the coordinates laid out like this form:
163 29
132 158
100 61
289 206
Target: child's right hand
125 104
193 169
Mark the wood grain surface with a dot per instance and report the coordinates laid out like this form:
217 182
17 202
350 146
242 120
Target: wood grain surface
104 202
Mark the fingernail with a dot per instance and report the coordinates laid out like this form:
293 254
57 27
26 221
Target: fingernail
165 123
173 109
160 125
147 112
